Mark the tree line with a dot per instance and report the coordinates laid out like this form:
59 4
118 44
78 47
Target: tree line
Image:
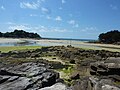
110 37
19 34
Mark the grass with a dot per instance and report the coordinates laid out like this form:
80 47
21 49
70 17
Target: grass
117 83
11 48
65 72
68 70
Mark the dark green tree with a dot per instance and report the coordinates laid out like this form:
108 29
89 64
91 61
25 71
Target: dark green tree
110 37
20 34
1 34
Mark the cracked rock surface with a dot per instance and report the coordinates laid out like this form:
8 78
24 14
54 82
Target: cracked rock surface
26 76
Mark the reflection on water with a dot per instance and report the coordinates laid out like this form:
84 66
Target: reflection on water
77 44
29 43
43 43
25 43
54 43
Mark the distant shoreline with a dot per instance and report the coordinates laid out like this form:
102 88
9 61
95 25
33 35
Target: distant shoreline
69 39
48 42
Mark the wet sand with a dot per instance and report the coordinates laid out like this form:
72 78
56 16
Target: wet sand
80 44
9 40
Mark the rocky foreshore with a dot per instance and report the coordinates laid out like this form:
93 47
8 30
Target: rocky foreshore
26 76
92 69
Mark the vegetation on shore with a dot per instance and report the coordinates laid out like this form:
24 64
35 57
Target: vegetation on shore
19 34
11 48
111 37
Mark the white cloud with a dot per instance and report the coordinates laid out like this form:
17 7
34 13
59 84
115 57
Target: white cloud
89 29
29 5
58 18
20 27
33 15
113 7
59 30
10 23
2 7
72 22
48 17
53 30
40 1
48 29
76 25
60 8
45 10
37 28
63 1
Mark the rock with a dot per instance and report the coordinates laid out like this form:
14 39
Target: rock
109 67
114 77
83 84
75 75
36 75
94 83
108 87
69 46
57 86
4 72
60 80
49 78
54 58
35 55
72 61
4 78
26 76
102 84
13 52
44 49
18 84
11 79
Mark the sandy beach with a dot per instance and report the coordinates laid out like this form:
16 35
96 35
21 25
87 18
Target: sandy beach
79 44
9 40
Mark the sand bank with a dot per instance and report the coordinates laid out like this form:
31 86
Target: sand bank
80 44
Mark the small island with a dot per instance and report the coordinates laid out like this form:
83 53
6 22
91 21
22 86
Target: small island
111 37
19 34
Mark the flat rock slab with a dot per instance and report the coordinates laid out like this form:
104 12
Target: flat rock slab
57 86
108 67
26 76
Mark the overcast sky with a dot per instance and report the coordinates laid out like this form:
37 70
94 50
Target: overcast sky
77 19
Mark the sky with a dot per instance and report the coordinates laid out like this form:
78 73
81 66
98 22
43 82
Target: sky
74 19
